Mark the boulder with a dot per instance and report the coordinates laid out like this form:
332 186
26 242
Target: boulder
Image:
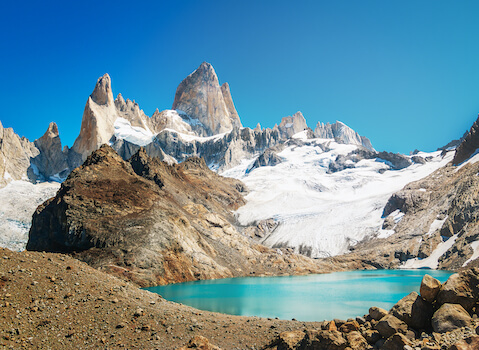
469 343
349 326
199 342
460 288
413 310
376 313
396 341
287 341
389 324
429 288
372 336
319 339
450 317
356 341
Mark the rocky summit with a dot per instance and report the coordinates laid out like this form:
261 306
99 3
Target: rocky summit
154 223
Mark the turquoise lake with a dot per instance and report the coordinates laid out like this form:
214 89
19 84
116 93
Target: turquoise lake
305 298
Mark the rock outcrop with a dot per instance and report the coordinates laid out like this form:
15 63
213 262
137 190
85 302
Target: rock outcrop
469 144
15 155
201 97
154 223
342 134
52 161
291 125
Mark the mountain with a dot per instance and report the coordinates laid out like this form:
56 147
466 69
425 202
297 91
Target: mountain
201 97
154 223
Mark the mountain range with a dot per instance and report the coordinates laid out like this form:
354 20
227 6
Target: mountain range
325 194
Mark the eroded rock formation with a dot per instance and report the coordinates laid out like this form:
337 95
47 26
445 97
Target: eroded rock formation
154 223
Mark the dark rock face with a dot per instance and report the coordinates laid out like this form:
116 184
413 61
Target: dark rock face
396 160
267 158
414 311
153 223
469 145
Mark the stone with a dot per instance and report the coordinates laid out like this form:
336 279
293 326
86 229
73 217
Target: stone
469 343
343 134
372 336
291 125
376 313
396 341
461 288
319 339
199 342
389 324
469 145
349 326
414 311
450 317
288 340
356 341
429 288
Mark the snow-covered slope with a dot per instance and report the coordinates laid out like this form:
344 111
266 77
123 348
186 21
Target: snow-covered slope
18 202
322 214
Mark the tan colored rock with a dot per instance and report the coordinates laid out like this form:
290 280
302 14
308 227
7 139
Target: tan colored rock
461 288
371 336
470 343
235 120
199 342
200 96
450 317
349 326
377 313
287 341
414 311
356 341
396 341
291 125
318 339
429 288
389 324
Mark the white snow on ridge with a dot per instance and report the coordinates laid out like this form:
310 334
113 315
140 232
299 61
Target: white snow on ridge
193 138
432 261
134 134
326 212
18 202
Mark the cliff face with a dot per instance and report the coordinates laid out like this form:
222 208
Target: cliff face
469 144
201 97
153 223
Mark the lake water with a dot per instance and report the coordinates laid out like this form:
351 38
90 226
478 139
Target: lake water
305 298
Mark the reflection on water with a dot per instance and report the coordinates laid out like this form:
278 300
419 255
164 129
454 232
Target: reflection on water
306 298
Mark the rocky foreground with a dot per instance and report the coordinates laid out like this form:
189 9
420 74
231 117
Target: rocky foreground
53 301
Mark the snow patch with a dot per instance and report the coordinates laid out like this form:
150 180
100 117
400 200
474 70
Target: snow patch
133 134
475 246
436 225
194 138
432 261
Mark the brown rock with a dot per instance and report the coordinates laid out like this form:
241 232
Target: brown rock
377 313
318 339
460 288
414 311
469 343
429 288
396 341
356 341
449 317
199 342
288 341
349 326
372 336
389 324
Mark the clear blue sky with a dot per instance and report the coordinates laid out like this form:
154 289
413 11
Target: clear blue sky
403 73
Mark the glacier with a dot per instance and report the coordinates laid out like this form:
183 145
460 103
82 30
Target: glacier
323 214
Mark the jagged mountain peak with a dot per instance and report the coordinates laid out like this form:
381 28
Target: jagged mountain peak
201 97
52 131
103 94
469 145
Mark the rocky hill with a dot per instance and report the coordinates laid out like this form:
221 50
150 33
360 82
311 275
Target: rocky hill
154 223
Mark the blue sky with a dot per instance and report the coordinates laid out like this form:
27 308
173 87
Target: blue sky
403 73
